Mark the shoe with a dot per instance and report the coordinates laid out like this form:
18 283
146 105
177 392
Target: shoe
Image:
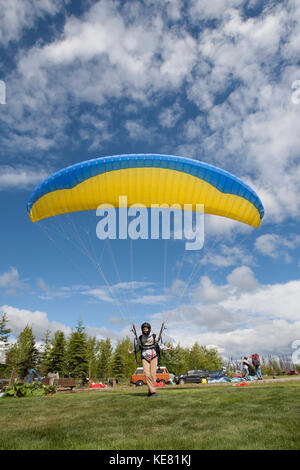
153 394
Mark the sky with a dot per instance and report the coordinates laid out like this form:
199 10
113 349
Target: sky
217 81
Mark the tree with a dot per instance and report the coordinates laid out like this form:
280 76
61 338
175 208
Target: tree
4 331
4 335
195 358
57 356
26 353
128 360
91 356
77 352
10 359
118 367
176 360
201 357
45 354
104 358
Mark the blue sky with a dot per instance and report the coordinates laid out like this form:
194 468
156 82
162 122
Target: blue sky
210 80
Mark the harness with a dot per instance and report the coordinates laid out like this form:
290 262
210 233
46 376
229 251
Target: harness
154 347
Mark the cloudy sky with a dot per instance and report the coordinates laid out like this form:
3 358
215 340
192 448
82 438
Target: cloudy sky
214 80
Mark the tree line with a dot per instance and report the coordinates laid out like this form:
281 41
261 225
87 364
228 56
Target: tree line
79 353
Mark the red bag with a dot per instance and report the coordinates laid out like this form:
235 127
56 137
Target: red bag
96 385
159 384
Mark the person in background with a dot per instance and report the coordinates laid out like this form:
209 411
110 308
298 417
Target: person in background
52 376
246 368
256 364
84 380
32 372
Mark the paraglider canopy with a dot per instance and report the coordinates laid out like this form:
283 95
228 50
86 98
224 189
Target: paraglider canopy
147 180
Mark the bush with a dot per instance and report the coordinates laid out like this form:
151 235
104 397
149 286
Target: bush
21 389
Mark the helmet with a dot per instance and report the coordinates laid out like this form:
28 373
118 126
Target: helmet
146 325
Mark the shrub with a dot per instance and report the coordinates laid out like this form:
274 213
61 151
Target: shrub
21 389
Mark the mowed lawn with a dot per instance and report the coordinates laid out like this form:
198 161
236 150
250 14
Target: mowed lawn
261 416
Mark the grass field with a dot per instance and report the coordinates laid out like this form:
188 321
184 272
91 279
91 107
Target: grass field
261 416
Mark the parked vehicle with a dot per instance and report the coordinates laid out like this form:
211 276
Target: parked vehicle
191 376
293 372
217 374
138 378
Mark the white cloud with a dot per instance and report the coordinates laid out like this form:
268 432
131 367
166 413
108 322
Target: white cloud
279 301
274 245
224 256
208 292
169 117
101 294
98 56
243 279
240 316
272 337
18 319
10 280
137 131
20 177
255 129
222 228
19 15
205 9
118 294
149 299
133 285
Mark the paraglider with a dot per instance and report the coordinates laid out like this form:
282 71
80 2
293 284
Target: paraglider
150 347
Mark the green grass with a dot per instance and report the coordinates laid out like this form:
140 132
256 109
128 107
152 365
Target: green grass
264 416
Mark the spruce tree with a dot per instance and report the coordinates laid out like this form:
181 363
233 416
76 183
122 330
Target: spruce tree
91 356
57 356
4 331
10 359
118 364
26 352
104 358
45 353
77 352
129 364
4 335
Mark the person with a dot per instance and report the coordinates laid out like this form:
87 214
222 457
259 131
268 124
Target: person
84 380
256 364
149 348
246 365
33 372
52 376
